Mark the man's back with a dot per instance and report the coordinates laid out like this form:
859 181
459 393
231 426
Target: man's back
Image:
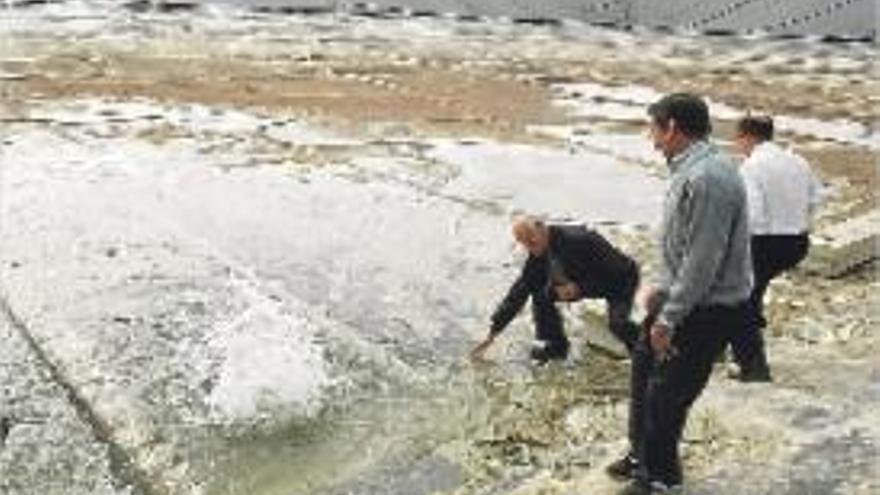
599 268
782 191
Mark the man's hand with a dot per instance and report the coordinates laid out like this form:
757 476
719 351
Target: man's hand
649 298
478 352
661 342
567 292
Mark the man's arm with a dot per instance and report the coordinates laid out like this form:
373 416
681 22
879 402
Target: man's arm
529 279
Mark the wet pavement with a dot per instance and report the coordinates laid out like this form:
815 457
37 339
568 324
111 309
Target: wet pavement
46 446
240 291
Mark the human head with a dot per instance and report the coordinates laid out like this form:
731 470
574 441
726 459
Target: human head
532 234
677 120
752 131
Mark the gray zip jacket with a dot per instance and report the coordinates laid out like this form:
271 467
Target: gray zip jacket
705 252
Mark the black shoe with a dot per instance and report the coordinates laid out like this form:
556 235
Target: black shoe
641 487
623 469
752 375
554 351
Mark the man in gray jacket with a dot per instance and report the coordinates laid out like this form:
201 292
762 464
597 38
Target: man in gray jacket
700 300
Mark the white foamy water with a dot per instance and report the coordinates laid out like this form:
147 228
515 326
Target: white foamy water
266 366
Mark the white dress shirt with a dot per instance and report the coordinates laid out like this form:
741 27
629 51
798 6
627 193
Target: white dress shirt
782 191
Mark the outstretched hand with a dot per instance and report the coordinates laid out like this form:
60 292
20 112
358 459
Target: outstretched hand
478 353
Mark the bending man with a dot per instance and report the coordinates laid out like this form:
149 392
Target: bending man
566 263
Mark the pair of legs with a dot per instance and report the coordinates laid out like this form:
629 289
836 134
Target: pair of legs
771 255
662 392
549 327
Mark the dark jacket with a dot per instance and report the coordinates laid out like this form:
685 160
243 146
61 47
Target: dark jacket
599 269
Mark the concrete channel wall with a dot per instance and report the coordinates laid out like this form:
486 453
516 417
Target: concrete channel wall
49 443
843 18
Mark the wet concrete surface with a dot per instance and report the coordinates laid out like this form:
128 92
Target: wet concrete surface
154 261
46 447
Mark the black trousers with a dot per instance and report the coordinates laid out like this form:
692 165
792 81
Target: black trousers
771 255
548 321
662 393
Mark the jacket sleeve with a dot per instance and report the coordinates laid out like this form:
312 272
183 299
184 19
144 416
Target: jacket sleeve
529 280
707 229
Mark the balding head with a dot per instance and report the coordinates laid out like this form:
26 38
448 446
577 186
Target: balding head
532 234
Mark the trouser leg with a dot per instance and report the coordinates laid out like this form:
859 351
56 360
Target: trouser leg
747 342
771 255
620 324
674 385
641 366
548 321
619 310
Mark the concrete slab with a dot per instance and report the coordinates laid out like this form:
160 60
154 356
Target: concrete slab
46 447
844 246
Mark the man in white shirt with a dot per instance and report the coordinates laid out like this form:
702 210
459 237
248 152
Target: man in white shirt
782 194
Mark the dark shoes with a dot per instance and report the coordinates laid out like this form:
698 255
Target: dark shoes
639 487
623 469
626 469
550 351
757 374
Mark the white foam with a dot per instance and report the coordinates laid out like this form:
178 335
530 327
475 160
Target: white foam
268 364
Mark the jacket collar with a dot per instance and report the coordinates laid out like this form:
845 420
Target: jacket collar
766 148
694 151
